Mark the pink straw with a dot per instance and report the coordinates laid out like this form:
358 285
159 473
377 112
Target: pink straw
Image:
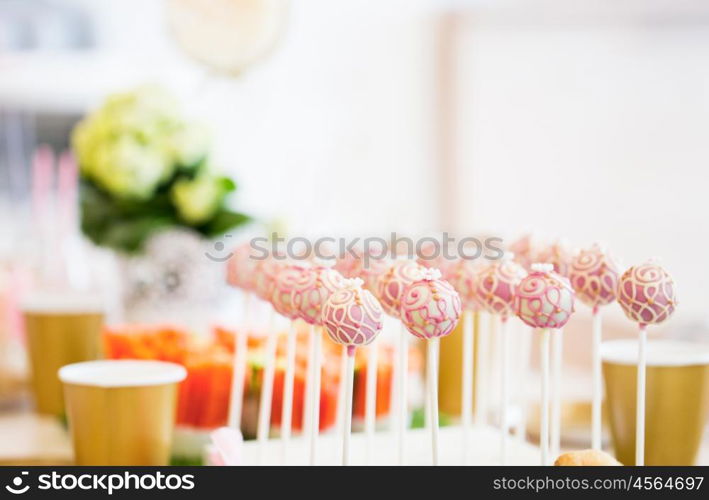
42 177
67 194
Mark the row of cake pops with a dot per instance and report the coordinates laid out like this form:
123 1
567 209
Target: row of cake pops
646 293
543 299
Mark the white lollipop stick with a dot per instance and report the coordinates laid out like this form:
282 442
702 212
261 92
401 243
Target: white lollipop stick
236 399
524 370
640 399
482 380
287 410
347 429
433 388
544 430
557 343
315 395
426 400
597 383
269 368
341 390
503 391
466 407
308 383
370 410
403 407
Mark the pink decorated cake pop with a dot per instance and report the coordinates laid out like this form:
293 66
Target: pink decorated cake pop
464 278
430 306
282 297
544 299
559 255
495 290
526 250
646 293
369 268
345 264
266 271
391 285
352 316
241 267
310 293
430 309
594 276
495 285
312 289
435 256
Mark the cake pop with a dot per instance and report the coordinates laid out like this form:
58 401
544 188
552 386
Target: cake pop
283 286
312 289
430 309
310 292
241 273
352 318
594 277
391 284
241 267
559 255
364 265
495 291
463 277
265 276
646 293
282 301
526 250
368 267
435 256
390 287
264 284
544 300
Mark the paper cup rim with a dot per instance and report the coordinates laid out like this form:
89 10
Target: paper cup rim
62 303
660 352
122 373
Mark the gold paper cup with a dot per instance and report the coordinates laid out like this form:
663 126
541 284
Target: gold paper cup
677 399
61 329
121 412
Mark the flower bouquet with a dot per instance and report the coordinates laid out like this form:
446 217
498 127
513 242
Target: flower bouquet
145 168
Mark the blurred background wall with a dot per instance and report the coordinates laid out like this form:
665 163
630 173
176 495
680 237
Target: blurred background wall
581 119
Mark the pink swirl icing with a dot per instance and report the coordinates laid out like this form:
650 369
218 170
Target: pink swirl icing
391 285
266 272
368 268
312 289
352 317
464 278
433 255
430 308
495 286
559 255
526 250
282 297
241 267
646 293
544 299
594 276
